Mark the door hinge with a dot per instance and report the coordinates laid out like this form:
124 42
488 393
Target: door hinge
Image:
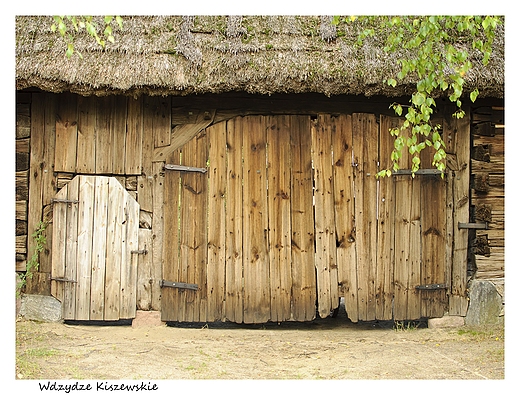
180 285
64 201
62 279
473 225
185 168
431 287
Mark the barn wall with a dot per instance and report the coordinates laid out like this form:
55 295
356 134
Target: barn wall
487 246
60 136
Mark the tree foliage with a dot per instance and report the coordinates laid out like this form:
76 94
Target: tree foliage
438 63
64 24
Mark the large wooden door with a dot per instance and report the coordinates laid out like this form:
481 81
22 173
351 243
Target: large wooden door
274 218
95 243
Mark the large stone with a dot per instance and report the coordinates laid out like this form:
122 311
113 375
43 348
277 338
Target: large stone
448 321
40 308
147 319
485 304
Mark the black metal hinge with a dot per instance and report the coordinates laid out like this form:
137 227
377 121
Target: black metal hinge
62 279
424 172
185 168
64 201
171 284
473 225
431 287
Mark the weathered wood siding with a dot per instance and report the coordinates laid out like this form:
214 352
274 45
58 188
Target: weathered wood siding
289 212
487 192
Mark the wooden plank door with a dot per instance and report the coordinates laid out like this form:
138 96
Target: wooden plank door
95 245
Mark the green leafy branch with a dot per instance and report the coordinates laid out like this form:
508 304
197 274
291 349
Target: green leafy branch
34 262
64 24
438 62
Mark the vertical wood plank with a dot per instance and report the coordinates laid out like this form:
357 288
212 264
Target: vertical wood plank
279 215
325 259
86 144
134 136
458 298
194 228
433 239
115 239
66 133
59 244
118 132
170 299
145 179
48 180
407 271
386 223
217 221
105 114
302 221
145 277
35 192
99 248
365 137
158 238
84 252
162 124
344 213
234 289
129 260
71 256
255 240
34 214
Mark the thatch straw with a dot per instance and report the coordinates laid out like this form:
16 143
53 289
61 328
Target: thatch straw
180 55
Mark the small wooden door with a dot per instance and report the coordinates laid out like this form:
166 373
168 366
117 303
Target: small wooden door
95 241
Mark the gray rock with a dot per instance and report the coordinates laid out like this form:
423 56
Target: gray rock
485 304
40 308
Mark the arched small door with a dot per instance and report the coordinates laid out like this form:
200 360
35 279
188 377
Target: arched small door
95 241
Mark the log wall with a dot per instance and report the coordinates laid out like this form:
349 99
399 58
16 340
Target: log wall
488 194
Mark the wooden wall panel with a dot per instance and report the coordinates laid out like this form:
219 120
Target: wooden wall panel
171 297
302 222
279 213
66 133
458 303
385 223
217 196
86 141
365 136
325 258
255 222
234 288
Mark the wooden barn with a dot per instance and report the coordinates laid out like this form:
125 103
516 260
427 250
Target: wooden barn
223 169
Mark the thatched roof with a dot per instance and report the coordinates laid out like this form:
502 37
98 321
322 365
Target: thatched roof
180 55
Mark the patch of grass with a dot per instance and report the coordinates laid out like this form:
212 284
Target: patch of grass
405 325
26 369
479 334
40 352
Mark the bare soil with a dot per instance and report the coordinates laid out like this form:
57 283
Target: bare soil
331 348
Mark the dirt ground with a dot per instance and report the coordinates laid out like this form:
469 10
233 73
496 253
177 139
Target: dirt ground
328 349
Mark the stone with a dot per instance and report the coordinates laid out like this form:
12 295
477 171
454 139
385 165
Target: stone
485 304
448 321
147 319
40 308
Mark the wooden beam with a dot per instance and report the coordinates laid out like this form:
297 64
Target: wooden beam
181 134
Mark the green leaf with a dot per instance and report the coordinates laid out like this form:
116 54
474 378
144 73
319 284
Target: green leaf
473 95
392 82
